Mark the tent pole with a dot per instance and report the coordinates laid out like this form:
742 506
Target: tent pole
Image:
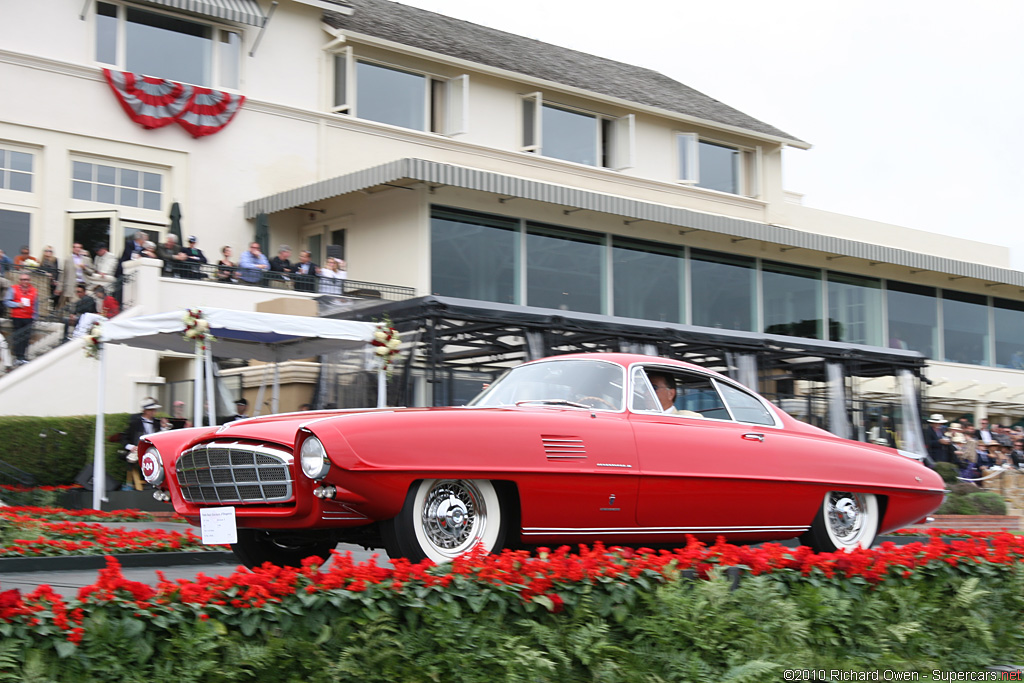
99 477
276 391
197 381
211 389
258 408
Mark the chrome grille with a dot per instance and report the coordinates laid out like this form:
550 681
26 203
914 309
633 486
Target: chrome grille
235 472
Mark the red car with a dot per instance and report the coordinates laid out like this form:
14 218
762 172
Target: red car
570 449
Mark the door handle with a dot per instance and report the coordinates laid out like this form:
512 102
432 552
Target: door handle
750 436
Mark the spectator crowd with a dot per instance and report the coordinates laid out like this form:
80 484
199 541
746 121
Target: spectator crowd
85 284
976 451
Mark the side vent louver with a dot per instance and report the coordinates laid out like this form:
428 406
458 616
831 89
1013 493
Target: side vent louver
563 447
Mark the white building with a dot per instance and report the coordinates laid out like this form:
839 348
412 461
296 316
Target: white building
465 162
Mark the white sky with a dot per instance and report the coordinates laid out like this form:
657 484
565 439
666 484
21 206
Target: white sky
915 108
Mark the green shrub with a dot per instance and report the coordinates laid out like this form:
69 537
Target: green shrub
947 471
988 503
59 456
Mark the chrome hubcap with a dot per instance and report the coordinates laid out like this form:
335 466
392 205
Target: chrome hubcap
453 515
845 515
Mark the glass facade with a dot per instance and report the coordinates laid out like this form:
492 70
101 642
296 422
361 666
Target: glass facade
913 318
854 309
648 280
965 328
724 290
1008 319
569 135
564 269
792 300
474 256
508 260
391 96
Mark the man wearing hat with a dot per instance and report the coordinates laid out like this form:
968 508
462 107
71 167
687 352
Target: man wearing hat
939 445
139 425
194 260
241 406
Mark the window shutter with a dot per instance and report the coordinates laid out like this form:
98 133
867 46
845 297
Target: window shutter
458 106
688 171
344 81
623 140
532 134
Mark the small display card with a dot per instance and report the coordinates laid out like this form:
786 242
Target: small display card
218 525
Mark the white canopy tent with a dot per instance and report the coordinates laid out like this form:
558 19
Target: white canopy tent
268 337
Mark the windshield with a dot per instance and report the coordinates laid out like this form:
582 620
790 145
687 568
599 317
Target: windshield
579 383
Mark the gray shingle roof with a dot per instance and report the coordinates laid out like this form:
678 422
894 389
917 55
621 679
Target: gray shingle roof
464 40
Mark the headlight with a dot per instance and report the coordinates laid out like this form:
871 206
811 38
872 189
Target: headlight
313 458
152 466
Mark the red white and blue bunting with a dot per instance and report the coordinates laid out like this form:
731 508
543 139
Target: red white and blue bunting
156 102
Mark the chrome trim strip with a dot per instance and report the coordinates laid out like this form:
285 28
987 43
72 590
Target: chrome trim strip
661 531
613 464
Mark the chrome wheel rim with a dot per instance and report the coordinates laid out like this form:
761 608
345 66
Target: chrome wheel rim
845 515
454 516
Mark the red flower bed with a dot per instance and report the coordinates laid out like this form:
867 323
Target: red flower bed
548 578
28 513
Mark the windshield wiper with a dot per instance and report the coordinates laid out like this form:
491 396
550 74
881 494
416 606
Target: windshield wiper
553 402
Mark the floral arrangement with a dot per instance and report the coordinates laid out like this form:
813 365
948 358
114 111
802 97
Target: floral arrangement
197 328
387 341
30 263
92 341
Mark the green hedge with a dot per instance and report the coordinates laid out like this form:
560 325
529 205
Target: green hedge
58 458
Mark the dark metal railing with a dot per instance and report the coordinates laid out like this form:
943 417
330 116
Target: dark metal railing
313 284
12 476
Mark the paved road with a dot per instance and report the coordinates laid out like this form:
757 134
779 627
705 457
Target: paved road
67 583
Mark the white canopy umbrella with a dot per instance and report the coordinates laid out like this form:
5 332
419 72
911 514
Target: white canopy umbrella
268 337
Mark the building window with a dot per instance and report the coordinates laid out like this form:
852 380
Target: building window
716 166
399 97
854 309
15 230
116 185
722 290
167 46
474 256
792 300
564 269
1009 329
15 170
582 137
913 317
648 280
965 334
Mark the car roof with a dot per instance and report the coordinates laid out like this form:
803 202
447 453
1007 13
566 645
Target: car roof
627 359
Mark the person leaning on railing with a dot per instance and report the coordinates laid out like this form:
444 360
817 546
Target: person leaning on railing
253 265
227 270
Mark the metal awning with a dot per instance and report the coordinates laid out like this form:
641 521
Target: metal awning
435 173
238 11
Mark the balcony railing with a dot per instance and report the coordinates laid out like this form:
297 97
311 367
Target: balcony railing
311 284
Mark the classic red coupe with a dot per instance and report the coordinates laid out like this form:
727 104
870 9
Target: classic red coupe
626 449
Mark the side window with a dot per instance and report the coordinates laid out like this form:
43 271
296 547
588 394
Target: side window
695 393
745 408
642 398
